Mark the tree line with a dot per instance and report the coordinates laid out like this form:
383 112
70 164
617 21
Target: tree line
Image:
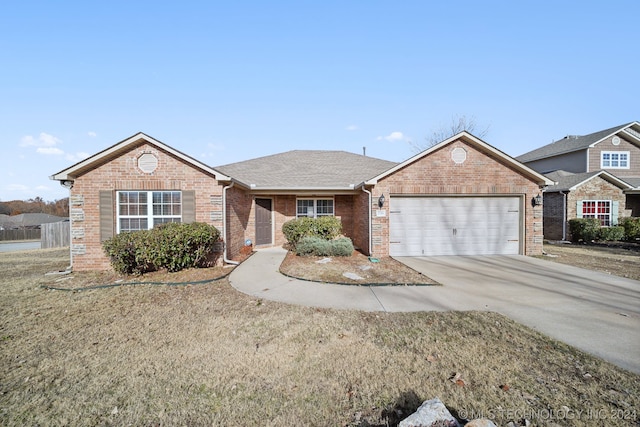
38 205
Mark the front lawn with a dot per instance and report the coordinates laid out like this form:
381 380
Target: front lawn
204 355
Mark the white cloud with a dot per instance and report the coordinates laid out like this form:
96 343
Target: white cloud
49 151
352 127
16 187
92 134
393 136
43 140
77 156
42 188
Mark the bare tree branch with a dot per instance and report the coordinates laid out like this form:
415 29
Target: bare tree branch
457 125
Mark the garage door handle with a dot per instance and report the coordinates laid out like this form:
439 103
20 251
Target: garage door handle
455 231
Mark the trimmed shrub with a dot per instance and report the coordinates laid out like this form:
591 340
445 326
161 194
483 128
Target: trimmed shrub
611 234
313 246
585 229
173 246
342 247
316 246
631 228
324 227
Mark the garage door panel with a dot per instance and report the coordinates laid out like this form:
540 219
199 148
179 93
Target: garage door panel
454 225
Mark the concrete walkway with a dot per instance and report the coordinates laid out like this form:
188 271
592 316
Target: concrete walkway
596 312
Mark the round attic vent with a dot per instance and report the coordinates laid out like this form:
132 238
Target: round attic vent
147 163
458 155
615 140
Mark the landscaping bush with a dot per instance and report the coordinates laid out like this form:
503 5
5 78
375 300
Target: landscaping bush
311 245
585 229
316 246
173 246
611 234
631 228
324 227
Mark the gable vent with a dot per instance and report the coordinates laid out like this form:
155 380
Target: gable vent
147 163
615 140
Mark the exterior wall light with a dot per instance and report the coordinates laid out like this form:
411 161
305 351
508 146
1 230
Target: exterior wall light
381 201
537 201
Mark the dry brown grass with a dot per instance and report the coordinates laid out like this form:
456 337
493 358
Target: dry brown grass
386 271
619 260
207 355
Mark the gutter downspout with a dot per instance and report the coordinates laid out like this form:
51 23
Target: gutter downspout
369 209
564 215
224 225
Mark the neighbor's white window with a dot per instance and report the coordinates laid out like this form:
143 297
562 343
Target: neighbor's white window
314 208
600 209
614 160
143 210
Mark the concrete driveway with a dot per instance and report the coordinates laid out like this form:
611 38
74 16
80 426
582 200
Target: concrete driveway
593 311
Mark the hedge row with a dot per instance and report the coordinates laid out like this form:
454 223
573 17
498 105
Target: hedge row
173 246
589 229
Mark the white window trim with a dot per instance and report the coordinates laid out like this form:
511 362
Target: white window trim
149 216
315 206
595 215
618 153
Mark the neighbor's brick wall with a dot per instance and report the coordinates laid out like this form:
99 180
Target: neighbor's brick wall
437 174
625 145
596 189
122 173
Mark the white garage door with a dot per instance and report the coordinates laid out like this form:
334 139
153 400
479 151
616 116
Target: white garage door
424 226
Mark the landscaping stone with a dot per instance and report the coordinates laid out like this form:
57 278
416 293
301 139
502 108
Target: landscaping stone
432 413
323 261
352 276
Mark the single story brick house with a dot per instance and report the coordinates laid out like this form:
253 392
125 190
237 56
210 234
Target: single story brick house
598 194
459 197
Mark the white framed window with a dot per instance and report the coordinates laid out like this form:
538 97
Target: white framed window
614 160
600 209
143 210
314 208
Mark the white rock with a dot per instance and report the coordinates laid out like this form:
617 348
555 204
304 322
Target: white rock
352 276
430 413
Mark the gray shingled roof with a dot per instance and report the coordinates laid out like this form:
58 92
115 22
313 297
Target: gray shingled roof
569 144
29 219
634 181
306 169
565 181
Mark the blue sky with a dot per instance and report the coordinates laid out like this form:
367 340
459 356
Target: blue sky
230 81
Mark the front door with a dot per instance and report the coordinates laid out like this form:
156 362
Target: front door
263 222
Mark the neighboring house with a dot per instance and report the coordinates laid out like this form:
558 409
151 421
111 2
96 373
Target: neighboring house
28 220
583 195
461 196
576 163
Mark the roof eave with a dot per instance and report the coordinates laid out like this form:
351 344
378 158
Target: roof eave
540 179
73 171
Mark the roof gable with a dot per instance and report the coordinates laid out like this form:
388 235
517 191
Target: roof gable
479 145
572 143
306 170
123 146
567 181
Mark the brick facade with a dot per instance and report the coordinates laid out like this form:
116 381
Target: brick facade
480 174
122 173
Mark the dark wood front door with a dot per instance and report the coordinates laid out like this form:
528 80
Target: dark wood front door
263 222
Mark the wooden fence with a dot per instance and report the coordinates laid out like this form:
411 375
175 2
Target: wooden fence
19 234
55 235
